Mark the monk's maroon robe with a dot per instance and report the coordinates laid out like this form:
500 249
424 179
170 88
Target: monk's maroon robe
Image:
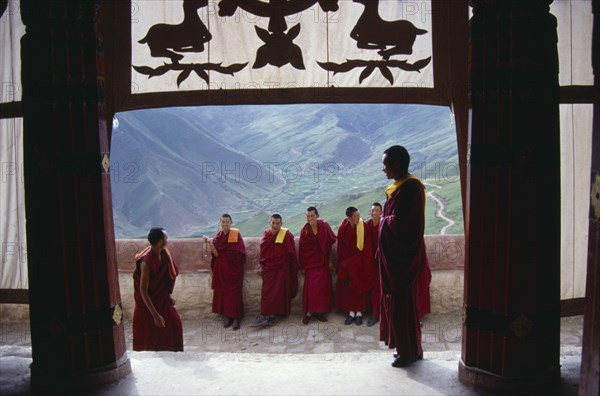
279 273
355 274
402 258
228 276
376 291
314 261
146 335
423 297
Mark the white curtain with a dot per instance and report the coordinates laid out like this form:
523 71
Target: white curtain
11 31
13 263
13 267
575 21
576 162
322 37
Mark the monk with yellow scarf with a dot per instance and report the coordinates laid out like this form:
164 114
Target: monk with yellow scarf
402 258
228 259
279 271
355 272
314 245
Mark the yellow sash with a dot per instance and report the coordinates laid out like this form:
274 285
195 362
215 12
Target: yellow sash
395 185
233 235
360 235
281 235
142 253
171 263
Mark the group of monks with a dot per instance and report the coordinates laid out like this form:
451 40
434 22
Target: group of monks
382 267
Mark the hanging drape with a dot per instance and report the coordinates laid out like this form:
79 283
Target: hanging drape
13 263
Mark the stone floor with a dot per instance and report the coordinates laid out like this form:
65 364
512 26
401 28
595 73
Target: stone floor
440 333
321 358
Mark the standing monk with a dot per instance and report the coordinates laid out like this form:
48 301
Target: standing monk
373 223
279 271
316 239
156 323
355 274
401 257
227 264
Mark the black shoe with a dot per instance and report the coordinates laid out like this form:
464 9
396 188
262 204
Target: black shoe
320 317
272 321
420 357
349 320
358 320
227 322
305 319
236 324
402 361
260 321
372 320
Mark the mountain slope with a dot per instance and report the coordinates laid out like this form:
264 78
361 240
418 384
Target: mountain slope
181 167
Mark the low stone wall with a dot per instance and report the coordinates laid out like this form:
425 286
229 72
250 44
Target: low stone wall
193 294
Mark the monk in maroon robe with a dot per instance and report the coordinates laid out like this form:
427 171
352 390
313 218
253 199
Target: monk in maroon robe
423 297
373 223
279 271
316 239
401 257
355 274
156 323
227 264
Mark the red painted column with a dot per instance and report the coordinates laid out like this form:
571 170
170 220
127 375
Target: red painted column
589 380
77 331
511 330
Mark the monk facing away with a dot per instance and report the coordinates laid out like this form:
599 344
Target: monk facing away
227 264
316 239
279 271
156 323
402 258
355 272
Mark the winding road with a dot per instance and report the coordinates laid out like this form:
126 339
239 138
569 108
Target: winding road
441 212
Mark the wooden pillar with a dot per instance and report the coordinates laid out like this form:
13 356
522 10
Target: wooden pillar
511 330
77 333
589 381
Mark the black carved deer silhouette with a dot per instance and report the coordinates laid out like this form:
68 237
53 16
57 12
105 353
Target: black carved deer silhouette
373 32
166 40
